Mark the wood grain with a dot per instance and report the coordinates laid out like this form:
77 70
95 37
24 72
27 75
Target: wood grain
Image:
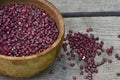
86 5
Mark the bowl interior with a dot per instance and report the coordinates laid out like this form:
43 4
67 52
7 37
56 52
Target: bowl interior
51 10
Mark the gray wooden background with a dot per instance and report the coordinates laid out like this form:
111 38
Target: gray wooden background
107 28
86 5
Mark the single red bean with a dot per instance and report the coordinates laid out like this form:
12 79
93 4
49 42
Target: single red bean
119 36
109 61
118 74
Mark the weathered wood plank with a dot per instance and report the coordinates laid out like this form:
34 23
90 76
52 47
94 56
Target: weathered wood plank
107 28
86 5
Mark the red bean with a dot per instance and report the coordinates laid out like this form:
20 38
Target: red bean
109 61
72 64
117 56
25 26
119 36
81 67
110 50
74 77
64 67
51 71
81 72
118 74
84 48
89 30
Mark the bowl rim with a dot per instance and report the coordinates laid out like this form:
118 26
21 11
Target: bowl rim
59 38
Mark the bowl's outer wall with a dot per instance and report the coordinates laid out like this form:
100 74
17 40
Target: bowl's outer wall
29 67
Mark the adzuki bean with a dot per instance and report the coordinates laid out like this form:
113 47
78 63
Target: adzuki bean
119 36
84 47
25 30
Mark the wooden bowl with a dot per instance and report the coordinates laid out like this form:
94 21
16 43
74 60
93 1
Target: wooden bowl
25 67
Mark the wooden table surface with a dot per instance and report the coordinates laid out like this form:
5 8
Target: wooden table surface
107 28
86 5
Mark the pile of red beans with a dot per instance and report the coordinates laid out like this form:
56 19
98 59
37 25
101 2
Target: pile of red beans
86 48
25 30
